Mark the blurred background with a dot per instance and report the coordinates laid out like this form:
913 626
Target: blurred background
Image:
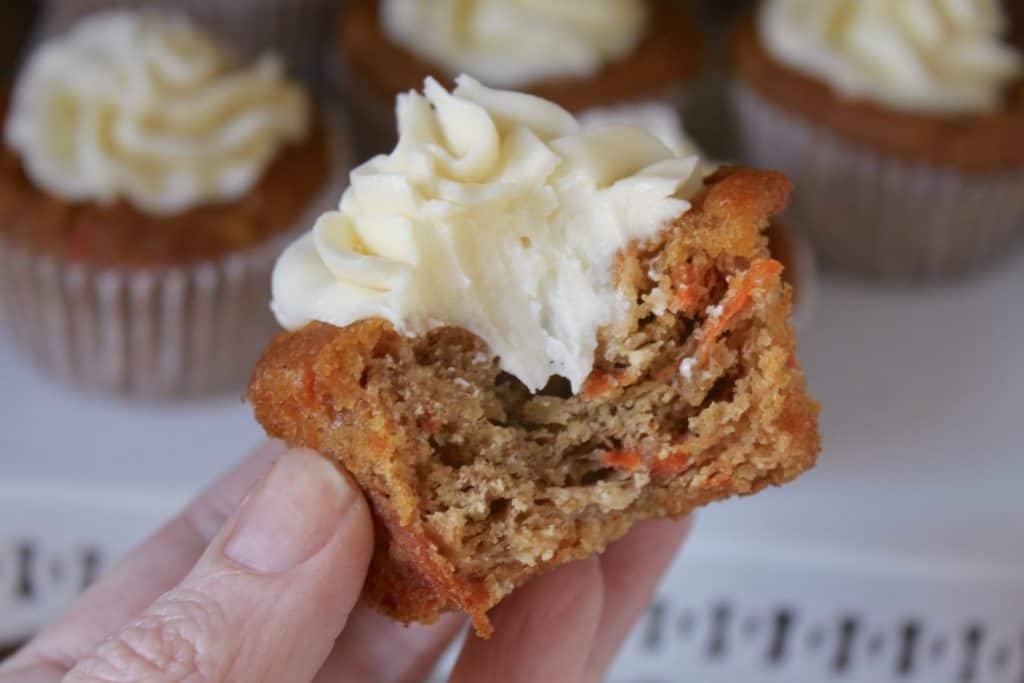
899 558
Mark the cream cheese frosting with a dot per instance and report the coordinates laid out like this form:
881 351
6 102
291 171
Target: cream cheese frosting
659 119
495 213
513 43
929 56
149 109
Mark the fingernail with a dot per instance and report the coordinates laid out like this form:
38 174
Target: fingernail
291 514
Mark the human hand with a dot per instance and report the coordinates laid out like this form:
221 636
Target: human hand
265 587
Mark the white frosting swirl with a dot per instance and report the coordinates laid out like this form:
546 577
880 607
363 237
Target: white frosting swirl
149 109
513 43
494 213
930 56
659 119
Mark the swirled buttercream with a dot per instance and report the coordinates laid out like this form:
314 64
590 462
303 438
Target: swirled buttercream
929 56
149 109
660 120
494 213
512 43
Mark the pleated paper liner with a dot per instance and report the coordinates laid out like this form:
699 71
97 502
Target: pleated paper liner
167 332
877 215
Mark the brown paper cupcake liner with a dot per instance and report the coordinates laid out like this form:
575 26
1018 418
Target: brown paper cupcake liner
152 332
878 215
297 29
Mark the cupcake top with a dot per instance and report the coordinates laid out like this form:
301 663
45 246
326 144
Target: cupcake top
945 57
494 213
512 43
149 109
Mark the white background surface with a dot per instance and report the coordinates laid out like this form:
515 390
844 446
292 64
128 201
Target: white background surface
911 518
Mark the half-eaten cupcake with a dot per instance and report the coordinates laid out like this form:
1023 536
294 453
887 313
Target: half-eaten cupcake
521 338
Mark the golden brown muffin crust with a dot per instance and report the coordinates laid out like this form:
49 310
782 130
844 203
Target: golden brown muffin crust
977 143
120 235
477 485
671 53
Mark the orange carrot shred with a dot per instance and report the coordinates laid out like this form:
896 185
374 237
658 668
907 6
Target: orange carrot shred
599 383
719 482
689 289
674 463
758 273
624 459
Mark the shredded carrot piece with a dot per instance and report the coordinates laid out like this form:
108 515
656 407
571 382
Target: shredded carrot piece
676 462
687 280
624 459
631 460
719 482
756 276
793 363
599 383
687 301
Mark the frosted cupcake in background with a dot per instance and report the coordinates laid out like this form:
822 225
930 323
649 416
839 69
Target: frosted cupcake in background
297 30
148 180
787 246
900 123
577 53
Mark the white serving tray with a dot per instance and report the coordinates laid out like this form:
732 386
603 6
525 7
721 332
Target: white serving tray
901 557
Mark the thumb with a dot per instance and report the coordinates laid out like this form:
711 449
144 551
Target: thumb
269 596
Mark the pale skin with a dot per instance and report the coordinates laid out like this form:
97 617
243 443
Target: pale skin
259 578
